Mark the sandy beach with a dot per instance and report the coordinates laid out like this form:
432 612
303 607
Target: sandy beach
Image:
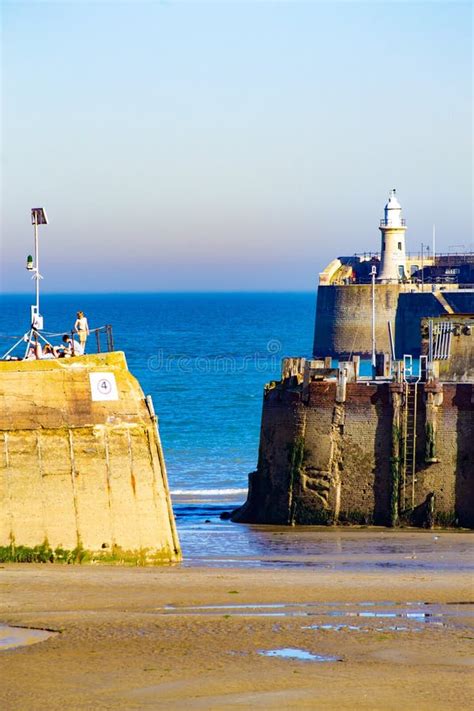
192 638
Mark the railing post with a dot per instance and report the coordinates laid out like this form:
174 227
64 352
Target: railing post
72 342
97 336
111 337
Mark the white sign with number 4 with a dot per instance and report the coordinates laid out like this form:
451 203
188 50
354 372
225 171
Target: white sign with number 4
103 386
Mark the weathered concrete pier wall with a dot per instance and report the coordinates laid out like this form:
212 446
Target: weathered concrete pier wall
81 464
331 455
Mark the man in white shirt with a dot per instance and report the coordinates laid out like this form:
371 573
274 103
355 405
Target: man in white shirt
72 347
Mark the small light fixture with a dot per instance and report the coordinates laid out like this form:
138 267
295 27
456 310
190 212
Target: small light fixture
38 216
29 263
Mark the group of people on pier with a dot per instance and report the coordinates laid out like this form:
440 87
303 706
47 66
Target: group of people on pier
67 348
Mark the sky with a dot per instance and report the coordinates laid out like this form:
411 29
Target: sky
198 146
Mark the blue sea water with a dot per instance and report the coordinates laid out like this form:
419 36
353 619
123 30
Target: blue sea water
204 358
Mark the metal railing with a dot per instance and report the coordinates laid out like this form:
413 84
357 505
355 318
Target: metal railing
109 338
391 223
464 257
426 284
36 340
442 337
107 329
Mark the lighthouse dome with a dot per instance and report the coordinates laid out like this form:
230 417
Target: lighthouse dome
393 211
393 203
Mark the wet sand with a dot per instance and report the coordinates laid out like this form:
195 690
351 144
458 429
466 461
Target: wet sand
134 638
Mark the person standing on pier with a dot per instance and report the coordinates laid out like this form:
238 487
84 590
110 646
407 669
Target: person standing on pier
81 327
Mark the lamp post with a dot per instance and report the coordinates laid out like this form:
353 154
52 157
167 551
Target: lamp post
373 272
38 217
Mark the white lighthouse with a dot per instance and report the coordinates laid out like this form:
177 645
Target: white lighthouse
393 258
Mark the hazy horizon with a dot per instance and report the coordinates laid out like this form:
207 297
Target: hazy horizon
233 147
161 293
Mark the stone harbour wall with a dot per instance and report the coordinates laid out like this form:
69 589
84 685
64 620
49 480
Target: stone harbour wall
81 463
344 317
325 459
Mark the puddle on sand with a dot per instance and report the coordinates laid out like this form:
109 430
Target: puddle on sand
227 607
300 654
431 617
12 637
421 612
358 628
394 616
296 609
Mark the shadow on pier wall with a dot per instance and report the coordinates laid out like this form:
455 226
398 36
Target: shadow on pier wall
382 453
464 486
411 309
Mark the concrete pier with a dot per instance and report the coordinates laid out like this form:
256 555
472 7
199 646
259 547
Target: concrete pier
81 463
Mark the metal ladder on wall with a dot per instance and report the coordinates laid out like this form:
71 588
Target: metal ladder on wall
408 469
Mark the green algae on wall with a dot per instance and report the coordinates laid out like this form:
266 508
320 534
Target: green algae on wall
296 462
430 443
395 476
44 553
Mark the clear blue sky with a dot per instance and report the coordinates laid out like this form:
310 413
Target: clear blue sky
223 146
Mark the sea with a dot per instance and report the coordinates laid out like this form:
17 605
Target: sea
204 359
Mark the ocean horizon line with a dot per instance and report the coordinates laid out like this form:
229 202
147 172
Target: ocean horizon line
228 292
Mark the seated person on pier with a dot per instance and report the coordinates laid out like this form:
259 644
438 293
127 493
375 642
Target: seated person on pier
35 352
71 347
49 352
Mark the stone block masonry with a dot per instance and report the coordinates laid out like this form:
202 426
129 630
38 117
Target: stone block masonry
344 317
81 463
323 461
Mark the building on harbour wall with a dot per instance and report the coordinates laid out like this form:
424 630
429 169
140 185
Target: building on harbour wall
393 447
408 287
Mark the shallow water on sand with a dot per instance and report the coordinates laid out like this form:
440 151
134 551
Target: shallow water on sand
316 618
209 541
12 637
299 654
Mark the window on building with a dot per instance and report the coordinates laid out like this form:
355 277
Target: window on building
400 246
401 271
